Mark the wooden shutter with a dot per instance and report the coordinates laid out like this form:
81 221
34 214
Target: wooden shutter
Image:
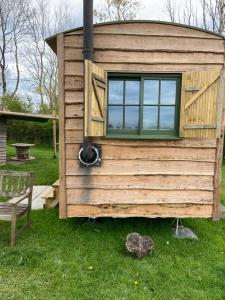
95 100
201 106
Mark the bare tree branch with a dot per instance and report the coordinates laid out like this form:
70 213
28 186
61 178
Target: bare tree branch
116 10
210 17
13 21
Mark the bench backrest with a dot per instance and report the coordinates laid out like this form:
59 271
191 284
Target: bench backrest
15 184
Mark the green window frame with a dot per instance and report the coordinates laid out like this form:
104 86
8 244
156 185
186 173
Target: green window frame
150 113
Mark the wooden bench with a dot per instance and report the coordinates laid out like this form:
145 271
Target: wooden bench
17 186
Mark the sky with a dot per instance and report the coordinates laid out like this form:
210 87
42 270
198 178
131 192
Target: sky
151 9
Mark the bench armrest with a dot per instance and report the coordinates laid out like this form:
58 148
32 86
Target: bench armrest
16 200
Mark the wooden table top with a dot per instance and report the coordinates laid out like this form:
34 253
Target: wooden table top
22 145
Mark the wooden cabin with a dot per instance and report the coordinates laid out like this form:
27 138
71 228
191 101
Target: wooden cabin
153 100
9 115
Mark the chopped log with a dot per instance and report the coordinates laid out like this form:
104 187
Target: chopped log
139 246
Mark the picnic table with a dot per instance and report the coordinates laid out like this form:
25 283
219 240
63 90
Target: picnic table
22 151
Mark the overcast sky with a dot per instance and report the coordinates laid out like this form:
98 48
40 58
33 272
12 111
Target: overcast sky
152 9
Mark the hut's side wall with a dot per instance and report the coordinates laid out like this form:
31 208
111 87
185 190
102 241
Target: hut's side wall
137 178
3 133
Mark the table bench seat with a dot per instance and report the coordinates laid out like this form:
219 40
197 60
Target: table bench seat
6 210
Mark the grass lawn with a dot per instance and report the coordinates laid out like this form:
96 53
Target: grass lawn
76 259
44 166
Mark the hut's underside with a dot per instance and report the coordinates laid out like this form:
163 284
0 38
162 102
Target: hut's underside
151 178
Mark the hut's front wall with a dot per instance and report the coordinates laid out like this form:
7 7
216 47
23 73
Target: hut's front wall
3 133
137 177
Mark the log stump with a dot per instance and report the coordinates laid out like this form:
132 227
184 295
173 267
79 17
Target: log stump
139 246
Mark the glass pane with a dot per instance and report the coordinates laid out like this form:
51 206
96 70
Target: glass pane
131 117
115 92
167 115
115 118
150 117
168 92
151 91
132 92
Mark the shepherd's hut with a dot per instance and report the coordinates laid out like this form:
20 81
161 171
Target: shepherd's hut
141 119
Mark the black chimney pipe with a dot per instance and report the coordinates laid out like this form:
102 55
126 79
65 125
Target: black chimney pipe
88 29
88 54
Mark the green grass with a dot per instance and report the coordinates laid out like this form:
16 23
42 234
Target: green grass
44 166
53 259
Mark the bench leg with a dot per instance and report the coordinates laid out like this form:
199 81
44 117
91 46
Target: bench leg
13 228
29 220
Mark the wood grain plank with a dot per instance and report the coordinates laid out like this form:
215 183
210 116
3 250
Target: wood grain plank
72 124
62 165
148 42
74 68
152 29
149 28
153 182
75 110
140 57
127 167
147 211
74 97
98 196
140 153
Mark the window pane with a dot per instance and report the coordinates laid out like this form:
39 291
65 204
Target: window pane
115 117
168 92
131 117
115 92
132 92
151 91
167 115
150 117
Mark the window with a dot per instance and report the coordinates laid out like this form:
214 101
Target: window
143 105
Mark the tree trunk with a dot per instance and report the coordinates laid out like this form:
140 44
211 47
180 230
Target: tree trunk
17 67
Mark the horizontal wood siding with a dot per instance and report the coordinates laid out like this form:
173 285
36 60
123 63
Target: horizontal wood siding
152 57
143 182
148 211
138 196
144 153
143 167
148 43
3 134
166 178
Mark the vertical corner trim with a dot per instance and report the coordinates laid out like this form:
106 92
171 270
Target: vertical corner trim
61 99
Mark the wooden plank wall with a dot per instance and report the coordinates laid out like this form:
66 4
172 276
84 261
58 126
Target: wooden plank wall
168 178
3 135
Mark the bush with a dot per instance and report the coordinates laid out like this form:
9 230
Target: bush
16 103
26 131
30 132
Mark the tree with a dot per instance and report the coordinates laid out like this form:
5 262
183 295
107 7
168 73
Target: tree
39 24
215 14
210 15
41 63
13 26
116 10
